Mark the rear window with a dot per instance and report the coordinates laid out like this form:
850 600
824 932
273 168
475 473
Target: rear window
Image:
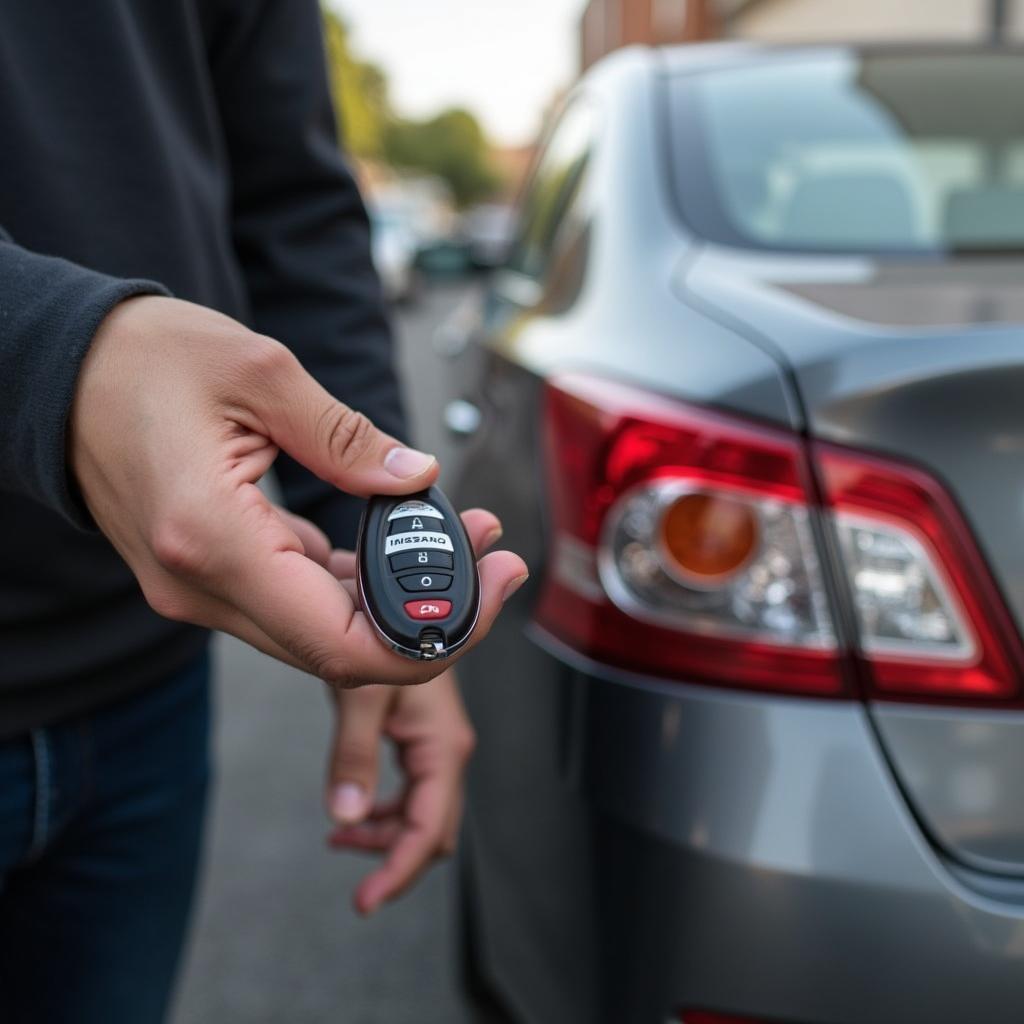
854 153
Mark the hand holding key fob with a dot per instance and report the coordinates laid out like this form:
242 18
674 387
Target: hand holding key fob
417 574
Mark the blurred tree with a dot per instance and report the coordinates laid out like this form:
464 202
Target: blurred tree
360 91
451 145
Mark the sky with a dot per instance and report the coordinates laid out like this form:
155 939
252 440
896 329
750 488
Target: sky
502 59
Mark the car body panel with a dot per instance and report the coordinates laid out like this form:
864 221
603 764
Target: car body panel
964 769
777 837
939 392
695 847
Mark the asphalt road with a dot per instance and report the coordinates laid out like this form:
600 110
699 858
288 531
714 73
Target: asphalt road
275 939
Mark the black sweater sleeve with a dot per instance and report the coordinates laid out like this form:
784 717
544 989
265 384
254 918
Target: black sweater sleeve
300 228
49 311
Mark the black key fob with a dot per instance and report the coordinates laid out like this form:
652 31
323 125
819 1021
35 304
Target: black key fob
417 574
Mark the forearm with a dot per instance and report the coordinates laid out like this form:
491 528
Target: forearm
49 312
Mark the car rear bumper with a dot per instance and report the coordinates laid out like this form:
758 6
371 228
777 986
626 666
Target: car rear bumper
756 856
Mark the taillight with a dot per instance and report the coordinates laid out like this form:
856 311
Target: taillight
931 621
684 543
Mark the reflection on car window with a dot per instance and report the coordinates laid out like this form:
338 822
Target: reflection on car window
858 153
552 189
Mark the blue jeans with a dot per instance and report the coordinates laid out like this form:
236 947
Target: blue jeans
100 825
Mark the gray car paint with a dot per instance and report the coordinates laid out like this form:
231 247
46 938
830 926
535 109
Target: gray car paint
651 339
633 845
796 884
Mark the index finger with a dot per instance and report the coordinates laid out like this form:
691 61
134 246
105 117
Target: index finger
415 848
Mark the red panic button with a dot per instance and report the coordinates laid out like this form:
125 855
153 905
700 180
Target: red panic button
428 609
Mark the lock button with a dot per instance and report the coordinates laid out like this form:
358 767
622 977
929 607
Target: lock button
417 524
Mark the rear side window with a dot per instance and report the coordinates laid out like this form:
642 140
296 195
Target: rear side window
848 152
553 189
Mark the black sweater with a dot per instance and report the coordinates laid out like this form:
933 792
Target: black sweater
181 146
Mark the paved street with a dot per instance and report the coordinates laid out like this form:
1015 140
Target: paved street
275 939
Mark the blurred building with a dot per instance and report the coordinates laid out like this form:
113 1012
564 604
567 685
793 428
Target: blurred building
905 20
607 25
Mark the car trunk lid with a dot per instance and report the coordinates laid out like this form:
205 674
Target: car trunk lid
925 363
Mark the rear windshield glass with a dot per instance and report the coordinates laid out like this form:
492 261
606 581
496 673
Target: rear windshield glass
855 153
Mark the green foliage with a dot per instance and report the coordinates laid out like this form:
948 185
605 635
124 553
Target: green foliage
360 92
451 146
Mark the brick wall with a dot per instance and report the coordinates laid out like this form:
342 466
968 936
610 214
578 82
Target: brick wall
607 25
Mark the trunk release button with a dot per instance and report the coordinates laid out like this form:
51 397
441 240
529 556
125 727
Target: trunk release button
428 609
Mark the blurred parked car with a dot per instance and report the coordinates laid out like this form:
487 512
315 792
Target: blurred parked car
445 256
394 247
748 398
489 230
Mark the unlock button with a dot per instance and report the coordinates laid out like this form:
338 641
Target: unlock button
420 561
424 581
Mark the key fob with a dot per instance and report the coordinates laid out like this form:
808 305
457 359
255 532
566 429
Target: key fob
417 575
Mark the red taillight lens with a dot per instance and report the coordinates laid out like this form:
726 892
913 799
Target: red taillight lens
931 621
682 543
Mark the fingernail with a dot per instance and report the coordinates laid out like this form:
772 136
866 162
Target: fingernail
348 803
514 586
493 537
407 462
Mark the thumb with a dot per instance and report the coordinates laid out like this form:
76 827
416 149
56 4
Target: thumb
353 765
339 444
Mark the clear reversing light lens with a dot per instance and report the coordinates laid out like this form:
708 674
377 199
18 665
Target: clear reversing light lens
932 623
903 604
729 564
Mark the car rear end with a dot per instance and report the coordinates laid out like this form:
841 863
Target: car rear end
755 617
784 649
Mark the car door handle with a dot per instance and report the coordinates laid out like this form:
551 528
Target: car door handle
462 418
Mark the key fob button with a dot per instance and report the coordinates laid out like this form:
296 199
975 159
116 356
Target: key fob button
421 559
435 609
425 581
416 524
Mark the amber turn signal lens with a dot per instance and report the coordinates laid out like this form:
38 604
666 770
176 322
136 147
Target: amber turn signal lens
707 537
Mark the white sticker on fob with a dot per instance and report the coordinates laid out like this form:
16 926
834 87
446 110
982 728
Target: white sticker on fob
408 541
